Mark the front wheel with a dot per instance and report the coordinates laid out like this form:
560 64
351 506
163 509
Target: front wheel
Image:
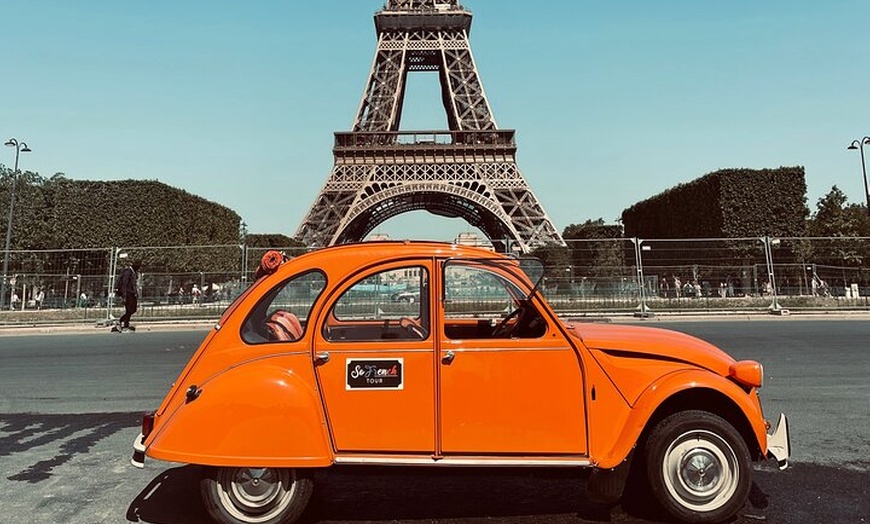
697 466
256 495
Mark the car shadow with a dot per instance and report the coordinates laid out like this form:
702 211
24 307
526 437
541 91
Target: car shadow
364 494
393 494
172 497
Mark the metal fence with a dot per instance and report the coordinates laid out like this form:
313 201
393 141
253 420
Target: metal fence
776 274
639 276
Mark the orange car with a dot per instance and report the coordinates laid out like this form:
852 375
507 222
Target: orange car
318 364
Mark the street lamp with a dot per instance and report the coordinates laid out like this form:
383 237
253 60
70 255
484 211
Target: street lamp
859 145
20 147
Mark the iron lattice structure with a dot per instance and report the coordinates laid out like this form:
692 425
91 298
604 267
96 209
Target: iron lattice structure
468 171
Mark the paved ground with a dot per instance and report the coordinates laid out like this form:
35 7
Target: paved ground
70 405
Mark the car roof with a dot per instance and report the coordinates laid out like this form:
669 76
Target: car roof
382 249
346 258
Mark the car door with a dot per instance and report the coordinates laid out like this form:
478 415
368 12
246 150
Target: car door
510 383
375 361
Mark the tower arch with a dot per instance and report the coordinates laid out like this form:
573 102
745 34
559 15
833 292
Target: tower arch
467 201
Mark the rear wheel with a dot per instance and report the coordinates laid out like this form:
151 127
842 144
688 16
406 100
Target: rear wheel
697 466
256 495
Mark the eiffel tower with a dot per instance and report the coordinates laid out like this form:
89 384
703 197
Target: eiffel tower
468 171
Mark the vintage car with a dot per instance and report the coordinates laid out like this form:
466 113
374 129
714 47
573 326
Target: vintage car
315 365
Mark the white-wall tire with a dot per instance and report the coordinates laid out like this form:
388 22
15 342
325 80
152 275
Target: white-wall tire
698 467
256 495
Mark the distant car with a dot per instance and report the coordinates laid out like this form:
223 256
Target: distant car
480 372
407 296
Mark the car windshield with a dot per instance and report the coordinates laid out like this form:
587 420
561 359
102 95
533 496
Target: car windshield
531 267
481 301
534 269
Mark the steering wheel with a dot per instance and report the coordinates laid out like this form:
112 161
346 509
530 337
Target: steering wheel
504 329
414 328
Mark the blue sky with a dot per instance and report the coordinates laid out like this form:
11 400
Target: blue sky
613 101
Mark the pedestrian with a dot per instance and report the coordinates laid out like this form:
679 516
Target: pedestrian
14 300
127 287
823 288
40 296
195 294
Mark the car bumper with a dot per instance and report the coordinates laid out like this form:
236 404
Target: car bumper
138 459
779 443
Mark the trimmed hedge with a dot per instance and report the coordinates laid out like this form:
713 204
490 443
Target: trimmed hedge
59 213
134 213
730 203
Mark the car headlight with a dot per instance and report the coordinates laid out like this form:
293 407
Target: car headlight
747 372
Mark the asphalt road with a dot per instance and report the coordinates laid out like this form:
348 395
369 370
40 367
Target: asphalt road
70 405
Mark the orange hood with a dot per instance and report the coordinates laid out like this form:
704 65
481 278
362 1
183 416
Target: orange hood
653 343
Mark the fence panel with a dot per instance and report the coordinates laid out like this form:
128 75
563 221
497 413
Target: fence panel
704 273
601 276
181 281
823 273
55 280
598 275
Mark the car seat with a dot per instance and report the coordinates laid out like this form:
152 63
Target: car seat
284 326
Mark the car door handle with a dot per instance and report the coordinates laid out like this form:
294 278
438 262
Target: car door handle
448 357
321 358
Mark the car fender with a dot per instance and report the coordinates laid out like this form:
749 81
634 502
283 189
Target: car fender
666 387
265 413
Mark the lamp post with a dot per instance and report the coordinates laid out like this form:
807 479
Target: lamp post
20 147
859 145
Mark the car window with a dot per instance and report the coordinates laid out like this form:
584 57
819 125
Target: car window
387 305
282 315
482 303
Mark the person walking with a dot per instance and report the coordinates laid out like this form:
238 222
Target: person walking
14 301
127 288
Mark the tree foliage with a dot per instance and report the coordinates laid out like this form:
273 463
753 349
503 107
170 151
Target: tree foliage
557 265
556 260
596 248
834 218
592 229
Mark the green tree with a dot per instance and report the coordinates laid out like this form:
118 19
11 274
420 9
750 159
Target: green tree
834 218
596 248
557 264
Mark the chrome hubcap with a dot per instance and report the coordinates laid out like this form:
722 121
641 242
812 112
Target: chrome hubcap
255 494
700 470
255 487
